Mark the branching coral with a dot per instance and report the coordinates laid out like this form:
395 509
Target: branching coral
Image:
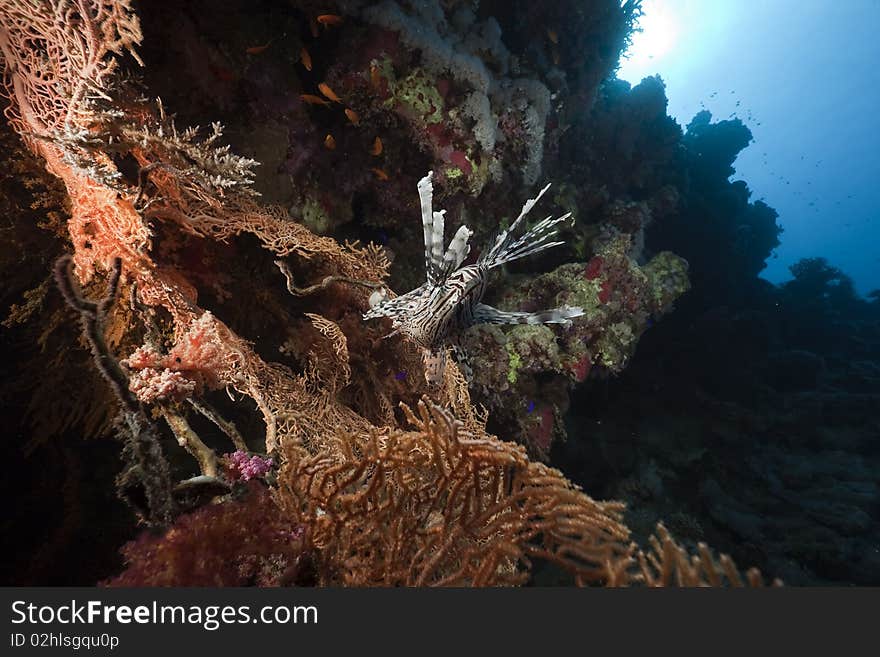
441 506
437 505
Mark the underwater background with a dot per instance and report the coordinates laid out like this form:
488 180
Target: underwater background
171 388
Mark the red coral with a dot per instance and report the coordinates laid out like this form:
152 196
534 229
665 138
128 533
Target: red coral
459 159
234 543
594 268
605 292
581 369
439 135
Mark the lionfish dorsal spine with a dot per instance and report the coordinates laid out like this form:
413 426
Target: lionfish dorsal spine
532 242
437 239
433 226
458 250
426 198
503 238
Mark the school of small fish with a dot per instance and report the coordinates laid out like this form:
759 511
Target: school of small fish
328 95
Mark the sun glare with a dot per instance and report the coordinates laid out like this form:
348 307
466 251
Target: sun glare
659 31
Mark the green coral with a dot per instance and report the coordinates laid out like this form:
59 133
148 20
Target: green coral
536 346
615 346
514 363
573 288
531 348
418 92
668 279
314 217
480 173
320 218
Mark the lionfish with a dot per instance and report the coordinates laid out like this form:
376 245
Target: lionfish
434 314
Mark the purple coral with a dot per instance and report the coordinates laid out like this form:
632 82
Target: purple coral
243 466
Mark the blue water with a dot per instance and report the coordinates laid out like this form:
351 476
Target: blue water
802 76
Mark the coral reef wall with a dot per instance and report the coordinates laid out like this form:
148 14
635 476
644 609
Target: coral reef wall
222 372
746 417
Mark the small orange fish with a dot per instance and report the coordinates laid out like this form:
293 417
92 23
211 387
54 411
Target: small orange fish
329 19
553 36
305 58
313 100
329 142
380 174
256 50
325 89
377 147
352 116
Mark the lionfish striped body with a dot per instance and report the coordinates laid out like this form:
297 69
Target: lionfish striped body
435 313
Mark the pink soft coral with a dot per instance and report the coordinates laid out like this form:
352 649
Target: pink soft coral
150 385
196 362
243 466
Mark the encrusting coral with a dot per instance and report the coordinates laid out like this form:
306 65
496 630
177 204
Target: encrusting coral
363 501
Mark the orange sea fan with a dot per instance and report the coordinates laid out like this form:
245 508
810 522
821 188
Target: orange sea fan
439 505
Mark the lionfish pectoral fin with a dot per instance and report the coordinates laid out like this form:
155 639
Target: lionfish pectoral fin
462 359
435 366
484 314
